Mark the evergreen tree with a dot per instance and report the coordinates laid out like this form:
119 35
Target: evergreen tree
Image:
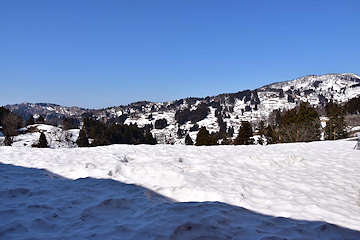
70 123
261 128
83 140
270 135
336 126
245 134
31 120
188 140
353 106
204 138
43 143
160 123
149 139
221 124
40 119
230 132
300 125
261 131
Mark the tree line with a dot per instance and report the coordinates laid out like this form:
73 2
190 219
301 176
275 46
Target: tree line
96 133
301 124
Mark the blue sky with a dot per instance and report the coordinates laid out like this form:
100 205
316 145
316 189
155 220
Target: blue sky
98 54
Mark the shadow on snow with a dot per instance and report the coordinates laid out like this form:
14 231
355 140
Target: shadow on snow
38 204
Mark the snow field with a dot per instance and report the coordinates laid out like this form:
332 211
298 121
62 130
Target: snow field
317 181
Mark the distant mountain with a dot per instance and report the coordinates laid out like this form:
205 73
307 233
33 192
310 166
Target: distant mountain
185 116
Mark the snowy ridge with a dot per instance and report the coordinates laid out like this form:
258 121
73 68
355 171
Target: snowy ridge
249 105
339 87
290 191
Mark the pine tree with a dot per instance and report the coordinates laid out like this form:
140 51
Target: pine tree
261 129
353 106
82 140
40 119
336 126
245 134
300 125
149 139
188 140
204 138
43 143
230 132
31 120
270 135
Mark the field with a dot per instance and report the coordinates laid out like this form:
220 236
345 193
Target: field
292 191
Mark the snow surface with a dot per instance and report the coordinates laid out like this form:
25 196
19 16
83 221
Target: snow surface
292 191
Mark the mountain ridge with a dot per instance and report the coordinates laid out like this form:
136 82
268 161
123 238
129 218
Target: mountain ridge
247 105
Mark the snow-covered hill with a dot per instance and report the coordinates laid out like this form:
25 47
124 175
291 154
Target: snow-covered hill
249 105
55 136
282 191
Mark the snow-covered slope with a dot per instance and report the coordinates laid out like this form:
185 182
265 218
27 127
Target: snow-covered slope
253 106
56 137
283 191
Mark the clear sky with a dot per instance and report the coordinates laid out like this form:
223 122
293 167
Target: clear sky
106 53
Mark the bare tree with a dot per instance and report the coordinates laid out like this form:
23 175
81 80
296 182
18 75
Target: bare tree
10 125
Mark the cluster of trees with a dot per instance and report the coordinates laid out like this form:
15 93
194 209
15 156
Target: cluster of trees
301 124
205 138
336 128
103 134
200 113
70 123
